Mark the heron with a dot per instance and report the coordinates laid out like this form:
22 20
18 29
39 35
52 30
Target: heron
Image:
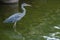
17 16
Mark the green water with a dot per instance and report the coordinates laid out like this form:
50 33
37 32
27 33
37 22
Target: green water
39 21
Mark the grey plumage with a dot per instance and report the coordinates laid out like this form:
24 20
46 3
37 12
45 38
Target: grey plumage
17 16
14 18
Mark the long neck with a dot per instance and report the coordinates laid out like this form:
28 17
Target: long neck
23 9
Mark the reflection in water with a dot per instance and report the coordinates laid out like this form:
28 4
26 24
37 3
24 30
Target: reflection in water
57 27
52 36
13 35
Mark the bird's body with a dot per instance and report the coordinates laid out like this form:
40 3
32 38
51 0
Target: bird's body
14 18
17 16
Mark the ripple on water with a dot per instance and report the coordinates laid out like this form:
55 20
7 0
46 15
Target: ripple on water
52 36
57 27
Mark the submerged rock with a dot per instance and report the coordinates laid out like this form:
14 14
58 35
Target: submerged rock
9 1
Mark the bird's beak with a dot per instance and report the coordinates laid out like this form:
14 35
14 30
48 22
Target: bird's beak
29 5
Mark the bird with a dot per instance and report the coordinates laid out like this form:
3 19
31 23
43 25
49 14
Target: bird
17 16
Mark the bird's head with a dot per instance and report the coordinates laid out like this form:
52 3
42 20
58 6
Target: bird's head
24 4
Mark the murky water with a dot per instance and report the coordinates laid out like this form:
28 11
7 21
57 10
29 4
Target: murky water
42 22
53 36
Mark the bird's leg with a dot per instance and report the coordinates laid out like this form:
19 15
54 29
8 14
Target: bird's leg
14 26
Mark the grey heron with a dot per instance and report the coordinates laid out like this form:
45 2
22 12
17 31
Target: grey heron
17 16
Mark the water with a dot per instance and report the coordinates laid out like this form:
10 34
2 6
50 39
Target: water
57 27
42 22
52 36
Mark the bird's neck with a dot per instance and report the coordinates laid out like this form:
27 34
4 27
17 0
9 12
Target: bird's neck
23 9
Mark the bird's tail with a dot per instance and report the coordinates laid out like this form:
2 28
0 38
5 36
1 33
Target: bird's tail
5 21
8 21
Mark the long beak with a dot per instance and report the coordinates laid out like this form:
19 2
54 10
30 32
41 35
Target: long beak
29 5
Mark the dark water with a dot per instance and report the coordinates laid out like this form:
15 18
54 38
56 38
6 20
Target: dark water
42 22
